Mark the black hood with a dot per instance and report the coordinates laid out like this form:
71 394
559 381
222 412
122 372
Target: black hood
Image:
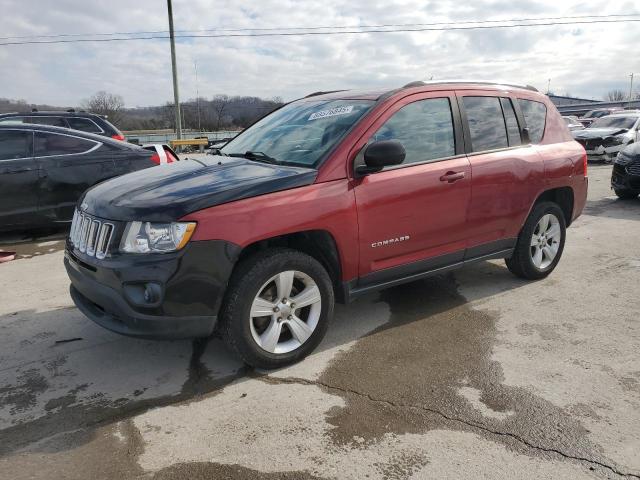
168 192
589 133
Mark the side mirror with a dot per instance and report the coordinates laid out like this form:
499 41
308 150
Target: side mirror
381 154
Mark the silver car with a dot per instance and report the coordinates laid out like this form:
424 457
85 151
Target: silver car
606 136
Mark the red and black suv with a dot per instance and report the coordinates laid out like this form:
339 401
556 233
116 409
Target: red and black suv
327 198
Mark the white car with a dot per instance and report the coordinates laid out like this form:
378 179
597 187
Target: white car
606 136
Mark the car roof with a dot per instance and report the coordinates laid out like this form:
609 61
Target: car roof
67 131
57 113
429 85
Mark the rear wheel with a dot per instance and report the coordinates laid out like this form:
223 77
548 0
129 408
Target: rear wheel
277 308
624 194
540 243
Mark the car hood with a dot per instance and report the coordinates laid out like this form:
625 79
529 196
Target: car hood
597 132
168 192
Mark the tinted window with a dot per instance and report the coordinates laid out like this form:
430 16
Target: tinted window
83 124
535 115
15 144
510 120
48 144
614 122
486 123
425 129
53 121
13 120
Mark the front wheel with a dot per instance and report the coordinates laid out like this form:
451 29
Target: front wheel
540 243
277 308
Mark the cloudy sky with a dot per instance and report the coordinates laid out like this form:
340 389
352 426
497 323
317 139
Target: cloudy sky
584 60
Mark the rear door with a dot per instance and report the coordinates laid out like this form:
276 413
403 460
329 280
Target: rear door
18 179
412 216
69 165
507 170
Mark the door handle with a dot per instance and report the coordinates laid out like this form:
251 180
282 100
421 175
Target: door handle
451 177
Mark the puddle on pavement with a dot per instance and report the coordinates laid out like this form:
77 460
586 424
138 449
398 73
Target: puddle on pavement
431 368
33 249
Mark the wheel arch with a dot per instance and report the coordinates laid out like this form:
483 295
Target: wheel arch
563 197
319 244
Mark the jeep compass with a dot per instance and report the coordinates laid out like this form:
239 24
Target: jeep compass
329 197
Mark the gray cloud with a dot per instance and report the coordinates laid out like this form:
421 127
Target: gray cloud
586 60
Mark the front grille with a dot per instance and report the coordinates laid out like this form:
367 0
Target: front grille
634 169
91 235
591 143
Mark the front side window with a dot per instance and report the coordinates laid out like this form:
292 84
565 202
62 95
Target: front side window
299 133
425 129
51 144
53 121
535 115
486 123
83 124
15 144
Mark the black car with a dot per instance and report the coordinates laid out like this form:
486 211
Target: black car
625 177
44 170
83 121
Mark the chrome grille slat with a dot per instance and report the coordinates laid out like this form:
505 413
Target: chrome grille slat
91 235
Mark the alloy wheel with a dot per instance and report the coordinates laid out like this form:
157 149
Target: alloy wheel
545 241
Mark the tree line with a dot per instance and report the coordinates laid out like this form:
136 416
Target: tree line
220 112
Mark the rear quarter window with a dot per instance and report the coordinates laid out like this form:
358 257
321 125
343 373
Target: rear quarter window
84 124
535 116
53 144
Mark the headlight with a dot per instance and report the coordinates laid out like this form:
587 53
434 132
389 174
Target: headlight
150 237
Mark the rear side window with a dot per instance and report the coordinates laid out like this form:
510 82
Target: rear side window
50 144
425 129
83 124
15 144
486 123
535 114
511 122
53 121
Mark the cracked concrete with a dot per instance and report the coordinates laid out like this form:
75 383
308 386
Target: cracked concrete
470 375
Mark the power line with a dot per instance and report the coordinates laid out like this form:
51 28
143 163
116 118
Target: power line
328 27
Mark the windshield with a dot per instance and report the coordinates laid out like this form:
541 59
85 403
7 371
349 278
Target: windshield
300 133
614 122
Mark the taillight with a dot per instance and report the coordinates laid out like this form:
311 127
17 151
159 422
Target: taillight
118 136
155 158
170 157
584 162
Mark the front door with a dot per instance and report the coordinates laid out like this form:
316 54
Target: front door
18 178
412 216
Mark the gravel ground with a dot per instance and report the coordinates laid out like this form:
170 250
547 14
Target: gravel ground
474 374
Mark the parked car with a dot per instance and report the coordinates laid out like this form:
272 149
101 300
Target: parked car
166 154
608 135
625 176
573 123
44 170
327 198
83 121
589 117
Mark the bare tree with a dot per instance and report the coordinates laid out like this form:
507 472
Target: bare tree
615 95
219 103
105 103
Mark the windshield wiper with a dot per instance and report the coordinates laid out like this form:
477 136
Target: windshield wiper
256 156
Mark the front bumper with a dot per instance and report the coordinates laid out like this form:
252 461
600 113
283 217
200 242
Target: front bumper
186 287
622 179
602 154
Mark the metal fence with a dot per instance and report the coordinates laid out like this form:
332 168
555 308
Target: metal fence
147 137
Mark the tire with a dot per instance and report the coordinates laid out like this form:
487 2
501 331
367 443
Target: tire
256 286
626 194
525 262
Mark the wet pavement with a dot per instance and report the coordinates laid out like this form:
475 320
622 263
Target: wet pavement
466 375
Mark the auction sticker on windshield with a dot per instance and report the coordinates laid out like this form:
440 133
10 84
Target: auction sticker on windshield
332 112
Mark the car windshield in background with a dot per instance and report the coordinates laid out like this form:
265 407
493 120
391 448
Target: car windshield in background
614 122
300 133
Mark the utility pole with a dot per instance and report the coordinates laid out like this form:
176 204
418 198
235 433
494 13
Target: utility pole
195 65
631 88
548 86
176 95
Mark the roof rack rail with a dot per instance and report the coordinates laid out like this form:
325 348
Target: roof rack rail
315 94
34 109
71 110
421 83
